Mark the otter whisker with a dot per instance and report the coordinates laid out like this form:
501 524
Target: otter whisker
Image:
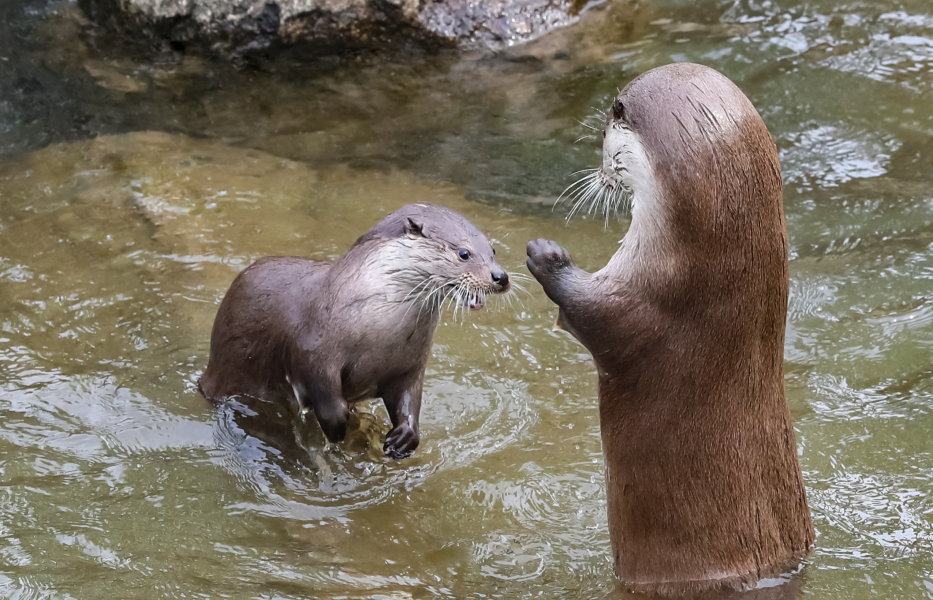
429 299
441 304
483 296
519 288
451 287
510 297
463 300
603 199
612 202
471 297
452 296
610 205
575 189
586 196
622 196
507 298
417 290
424 293
578 183
449 302
580 201
422 300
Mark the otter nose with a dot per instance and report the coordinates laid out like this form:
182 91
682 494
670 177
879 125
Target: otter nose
500 277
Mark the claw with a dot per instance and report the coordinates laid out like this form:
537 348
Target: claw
401 442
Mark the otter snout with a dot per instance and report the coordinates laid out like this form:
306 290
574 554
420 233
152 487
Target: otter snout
500 280
496 282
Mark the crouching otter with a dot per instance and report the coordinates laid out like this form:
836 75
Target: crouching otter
686 327
360 328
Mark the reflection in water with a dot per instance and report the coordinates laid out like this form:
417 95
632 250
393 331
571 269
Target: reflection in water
132 190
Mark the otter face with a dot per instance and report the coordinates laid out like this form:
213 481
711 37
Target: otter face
480 277
443 258
470 267
625 178
628 172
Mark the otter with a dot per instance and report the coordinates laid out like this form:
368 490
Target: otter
360 328
686 328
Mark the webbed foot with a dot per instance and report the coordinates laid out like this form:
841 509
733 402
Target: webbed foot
401 441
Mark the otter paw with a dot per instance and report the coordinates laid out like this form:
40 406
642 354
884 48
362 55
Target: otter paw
546 261
401 442
546 258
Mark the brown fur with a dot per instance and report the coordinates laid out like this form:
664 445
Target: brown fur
686 326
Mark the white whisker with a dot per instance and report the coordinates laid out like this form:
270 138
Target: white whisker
585 196
576 186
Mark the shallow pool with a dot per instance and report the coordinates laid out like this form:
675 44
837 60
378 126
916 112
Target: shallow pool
133 187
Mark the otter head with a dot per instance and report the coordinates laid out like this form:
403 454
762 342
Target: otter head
441 256
688 150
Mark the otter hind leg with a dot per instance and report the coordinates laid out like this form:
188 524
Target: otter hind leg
206 388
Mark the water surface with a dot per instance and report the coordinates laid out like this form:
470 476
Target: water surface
134 185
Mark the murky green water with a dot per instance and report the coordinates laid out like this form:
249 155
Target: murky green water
118 481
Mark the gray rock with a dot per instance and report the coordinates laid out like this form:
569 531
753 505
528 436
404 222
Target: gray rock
236 27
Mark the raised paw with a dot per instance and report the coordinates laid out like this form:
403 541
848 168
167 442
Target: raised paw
547 261
401 441
546 257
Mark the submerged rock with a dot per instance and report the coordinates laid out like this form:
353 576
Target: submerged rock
239 26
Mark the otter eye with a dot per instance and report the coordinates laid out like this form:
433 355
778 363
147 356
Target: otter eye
464 254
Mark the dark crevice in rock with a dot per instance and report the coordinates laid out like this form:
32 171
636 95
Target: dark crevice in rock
237 28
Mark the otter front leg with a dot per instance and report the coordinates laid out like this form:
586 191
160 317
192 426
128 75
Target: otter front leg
403 401
564 283
553 267
329 408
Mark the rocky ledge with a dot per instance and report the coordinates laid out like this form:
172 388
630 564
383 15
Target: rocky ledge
241 26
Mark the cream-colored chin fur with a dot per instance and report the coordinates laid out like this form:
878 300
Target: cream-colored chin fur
625 162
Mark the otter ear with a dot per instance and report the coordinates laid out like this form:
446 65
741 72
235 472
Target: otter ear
414 228
618 110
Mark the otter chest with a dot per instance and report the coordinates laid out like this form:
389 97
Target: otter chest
374 360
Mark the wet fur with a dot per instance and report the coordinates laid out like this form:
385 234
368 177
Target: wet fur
686 326
332 334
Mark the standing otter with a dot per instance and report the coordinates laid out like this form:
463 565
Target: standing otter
360 328
686 327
